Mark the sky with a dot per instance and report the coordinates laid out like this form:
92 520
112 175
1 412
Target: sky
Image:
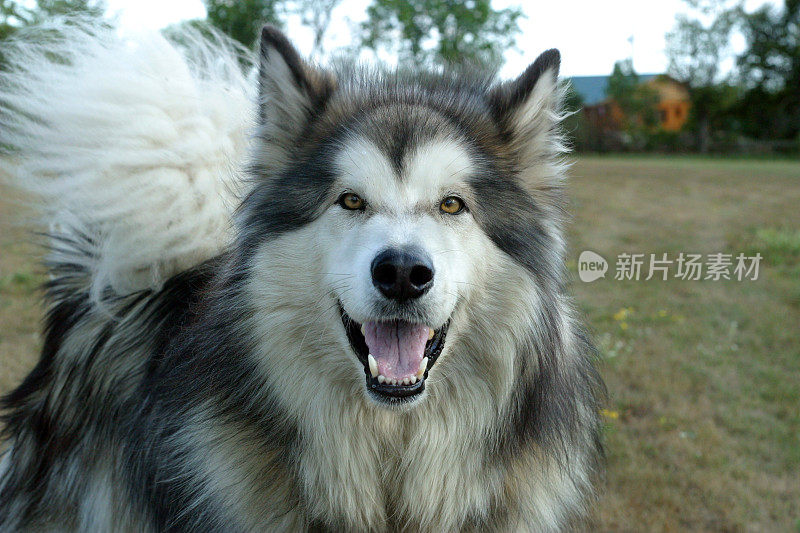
590 34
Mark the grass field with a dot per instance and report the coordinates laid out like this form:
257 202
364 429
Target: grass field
703 415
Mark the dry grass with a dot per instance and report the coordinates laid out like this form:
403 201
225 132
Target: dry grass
20 303
703 428
703 421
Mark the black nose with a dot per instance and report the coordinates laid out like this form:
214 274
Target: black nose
402 274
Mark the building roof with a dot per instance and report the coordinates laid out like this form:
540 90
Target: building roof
593 88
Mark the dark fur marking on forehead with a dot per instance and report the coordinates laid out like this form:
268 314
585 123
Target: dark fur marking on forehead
288 201
398 111
397 152
396 130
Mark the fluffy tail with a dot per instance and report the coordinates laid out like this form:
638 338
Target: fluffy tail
130 144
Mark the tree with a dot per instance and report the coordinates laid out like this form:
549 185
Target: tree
437 31
15 15
242 19
316 14
9 19
636 101
772 56
574 123
696 50
770 69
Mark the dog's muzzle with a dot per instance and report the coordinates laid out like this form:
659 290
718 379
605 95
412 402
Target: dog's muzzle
397 355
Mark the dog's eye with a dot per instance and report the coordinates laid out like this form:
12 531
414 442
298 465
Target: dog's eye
452 205
351 201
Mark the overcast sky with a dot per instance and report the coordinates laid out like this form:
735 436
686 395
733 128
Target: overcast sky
591 34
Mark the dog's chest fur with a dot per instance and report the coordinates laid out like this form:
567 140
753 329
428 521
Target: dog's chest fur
375 471
401 472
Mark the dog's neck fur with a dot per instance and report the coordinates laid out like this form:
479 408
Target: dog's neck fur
364 467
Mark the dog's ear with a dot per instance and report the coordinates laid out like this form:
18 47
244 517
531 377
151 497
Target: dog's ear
528 110
291 92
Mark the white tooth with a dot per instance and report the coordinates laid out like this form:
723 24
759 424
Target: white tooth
373 366
381 379
394 382
423 366
406 381
363 330
431 333
413 379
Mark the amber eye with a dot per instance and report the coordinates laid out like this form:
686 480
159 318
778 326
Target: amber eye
452 205
351 201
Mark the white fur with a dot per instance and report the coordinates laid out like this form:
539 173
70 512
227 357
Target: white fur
134 144
430 459
402 211
541 144
535 120
132 140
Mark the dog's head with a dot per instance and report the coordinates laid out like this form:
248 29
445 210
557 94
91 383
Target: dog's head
392 200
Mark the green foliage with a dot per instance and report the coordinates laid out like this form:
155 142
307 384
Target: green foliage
15 14
772 57
665 141
9 19
765 102
637 101
316 14
243 19
443 32
574 124
695 51
770 69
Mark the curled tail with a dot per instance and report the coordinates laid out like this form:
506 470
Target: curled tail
130 147
131 143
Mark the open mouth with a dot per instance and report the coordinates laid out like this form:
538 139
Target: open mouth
396 355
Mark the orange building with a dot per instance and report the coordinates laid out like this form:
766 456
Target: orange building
673 101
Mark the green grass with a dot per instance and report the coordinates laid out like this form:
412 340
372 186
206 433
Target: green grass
703 416
20 278
20 282
704 408
779 246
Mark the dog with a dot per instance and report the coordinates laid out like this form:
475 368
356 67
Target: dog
306 299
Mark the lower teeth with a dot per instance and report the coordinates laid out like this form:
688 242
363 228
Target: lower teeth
395 382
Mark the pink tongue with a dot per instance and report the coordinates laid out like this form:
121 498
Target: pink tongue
398 347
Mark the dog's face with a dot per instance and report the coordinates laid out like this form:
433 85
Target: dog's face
401 248
401 197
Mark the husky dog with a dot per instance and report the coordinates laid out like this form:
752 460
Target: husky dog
366 329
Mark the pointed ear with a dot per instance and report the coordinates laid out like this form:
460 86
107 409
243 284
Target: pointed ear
291 92
528 109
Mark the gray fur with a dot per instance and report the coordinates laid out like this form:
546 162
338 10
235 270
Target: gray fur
229 399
